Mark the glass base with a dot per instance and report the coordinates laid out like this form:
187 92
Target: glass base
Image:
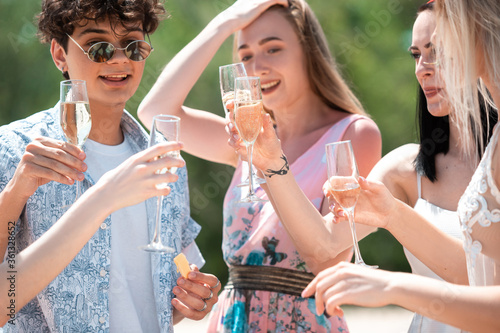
362 263
256 181
252 198
157 247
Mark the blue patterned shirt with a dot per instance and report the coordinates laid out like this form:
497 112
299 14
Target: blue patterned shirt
77 299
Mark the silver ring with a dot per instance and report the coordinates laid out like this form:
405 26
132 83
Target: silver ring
209 297
204 307
216 285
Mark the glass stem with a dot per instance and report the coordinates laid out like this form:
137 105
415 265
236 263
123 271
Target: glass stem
357 254
250 167
156 235
78 189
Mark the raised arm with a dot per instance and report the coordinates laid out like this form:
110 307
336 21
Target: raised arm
133 181
180 75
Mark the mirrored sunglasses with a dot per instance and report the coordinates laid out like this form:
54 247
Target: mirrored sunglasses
138 50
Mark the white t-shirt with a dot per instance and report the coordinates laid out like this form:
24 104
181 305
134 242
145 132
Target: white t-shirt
131 299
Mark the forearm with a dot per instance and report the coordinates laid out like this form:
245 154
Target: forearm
442 253
316 238
183 71
11 206
473 309
43 260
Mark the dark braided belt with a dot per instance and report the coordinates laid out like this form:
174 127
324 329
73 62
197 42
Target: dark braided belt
268 278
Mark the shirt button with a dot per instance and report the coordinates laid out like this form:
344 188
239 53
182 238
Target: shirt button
103 226
102 272
102 320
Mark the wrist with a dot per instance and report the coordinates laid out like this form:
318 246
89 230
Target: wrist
395 215
279 167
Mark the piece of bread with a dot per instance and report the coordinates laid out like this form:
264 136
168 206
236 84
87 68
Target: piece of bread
182 265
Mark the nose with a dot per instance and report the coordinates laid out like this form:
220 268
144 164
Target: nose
424 68
119 56
259 66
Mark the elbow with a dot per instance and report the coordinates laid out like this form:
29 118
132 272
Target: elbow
142 112
326 256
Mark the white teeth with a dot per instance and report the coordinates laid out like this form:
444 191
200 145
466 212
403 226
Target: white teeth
116 76
269 85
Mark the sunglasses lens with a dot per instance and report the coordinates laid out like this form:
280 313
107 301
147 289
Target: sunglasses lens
101 52
138 50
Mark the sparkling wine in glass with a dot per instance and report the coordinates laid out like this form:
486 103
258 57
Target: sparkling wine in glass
248 118
227 76
75 118
164 128
343 176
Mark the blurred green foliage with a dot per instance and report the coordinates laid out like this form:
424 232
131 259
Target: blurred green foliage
369 38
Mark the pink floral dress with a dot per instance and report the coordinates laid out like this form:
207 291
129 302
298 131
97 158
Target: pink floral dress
253 235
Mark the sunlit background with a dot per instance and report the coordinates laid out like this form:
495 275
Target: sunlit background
369 38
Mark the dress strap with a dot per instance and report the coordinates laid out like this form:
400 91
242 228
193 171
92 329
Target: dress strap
419 185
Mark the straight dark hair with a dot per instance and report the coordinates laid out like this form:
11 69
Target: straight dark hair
434 134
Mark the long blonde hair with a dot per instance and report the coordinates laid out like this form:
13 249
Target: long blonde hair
468 35
323 74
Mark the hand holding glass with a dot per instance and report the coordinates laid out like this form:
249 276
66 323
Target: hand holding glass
343 176
75 118
164 128
248 118
227 76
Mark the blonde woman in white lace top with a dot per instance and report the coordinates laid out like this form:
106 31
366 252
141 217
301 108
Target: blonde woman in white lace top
468 32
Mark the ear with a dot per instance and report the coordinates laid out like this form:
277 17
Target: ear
58 55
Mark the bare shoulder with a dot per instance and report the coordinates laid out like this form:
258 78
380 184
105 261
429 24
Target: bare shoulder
363 127
397 172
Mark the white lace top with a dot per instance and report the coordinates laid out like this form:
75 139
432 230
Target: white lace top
478 208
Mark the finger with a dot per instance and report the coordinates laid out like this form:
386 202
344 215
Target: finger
189 305
158 150
58 152
62 145
208 279
230 105
50 168
187 311
196 289
310 289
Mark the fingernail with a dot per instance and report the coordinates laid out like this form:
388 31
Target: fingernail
192 275
81 155
182 282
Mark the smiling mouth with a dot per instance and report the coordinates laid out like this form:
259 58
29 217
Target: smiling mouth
269 85
115 78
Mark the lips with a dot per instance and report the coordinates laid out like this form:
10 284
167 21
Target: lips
115 77
431 92
269 86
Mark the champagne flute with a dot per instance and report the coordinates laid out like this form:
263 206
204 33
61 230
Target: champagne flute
75 118
165 128
227 75
248 118
343 176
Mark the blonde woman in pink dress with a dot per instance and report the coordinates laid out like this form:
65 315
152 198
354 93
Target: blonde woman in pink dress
281 42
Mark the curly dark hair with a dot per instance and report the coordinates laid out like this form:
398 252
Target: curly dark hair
59 17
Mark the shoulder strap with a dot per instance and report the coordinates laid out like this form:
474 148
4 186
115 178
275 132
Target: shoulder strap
419 185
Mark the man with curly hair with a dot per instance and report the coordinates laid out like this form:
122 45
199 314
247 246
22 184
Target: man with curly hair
110 285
